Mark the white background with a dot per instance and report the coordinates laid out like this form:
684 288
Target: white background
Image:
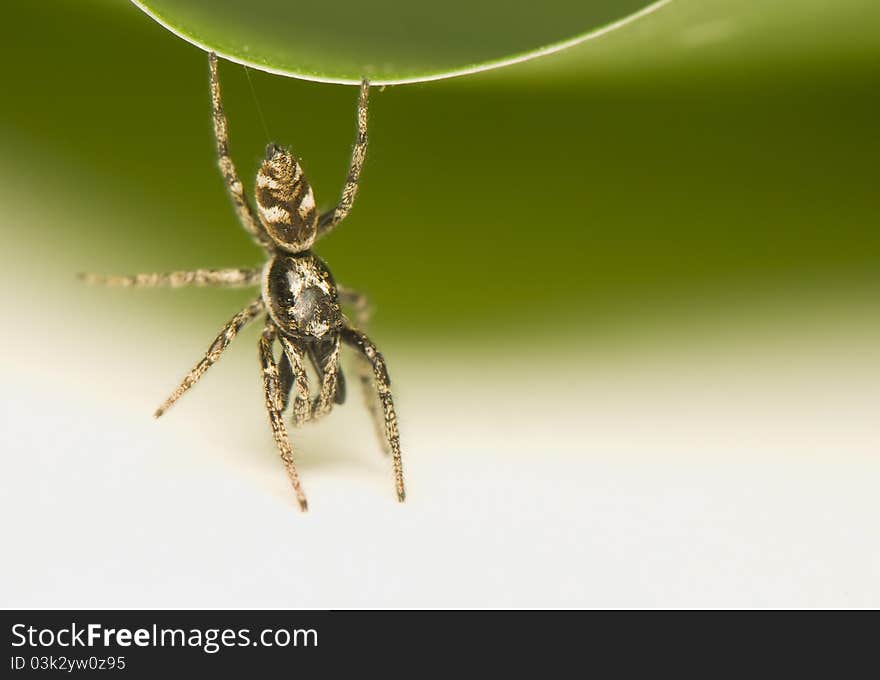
714 472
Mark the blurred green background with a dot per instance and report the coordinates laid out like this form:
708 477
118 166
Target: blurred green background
714 159
677 190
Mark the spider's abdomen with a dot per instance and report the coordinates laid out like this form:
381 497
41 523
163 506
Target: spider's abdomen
301 295
285 202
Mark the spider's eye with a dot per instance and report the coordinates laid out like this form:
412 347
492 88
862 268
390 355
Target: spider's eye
285 201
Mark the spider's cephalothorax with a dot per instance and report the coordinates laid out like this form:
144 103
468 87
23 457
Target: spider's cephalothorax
299 298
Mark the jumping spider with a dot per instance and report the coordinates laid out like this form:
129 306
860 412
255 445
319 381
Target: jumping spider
298 294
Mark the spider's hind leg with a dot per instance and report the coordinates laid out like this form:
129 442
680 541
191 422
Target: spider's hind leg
234 187
358 154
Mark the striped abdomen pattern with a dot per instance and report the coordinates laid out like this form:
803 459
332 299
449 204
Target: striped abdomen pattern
285 202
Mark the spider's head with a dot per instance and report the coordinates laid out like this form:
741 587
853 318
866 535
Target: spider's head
285 202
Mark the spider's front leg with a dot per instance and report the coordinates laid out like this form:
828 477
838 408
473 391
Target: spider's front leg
293 376
325 358
362 312
357 339
275 408
221 342
333 217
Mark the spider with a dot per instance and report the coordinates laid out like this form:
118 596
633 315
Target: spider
300 299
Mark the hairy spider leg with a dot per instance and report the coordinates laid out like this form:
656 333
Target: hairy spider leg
325 357
333 217
293 357
363 366
221 342
200 278
274 406
357 339
234 187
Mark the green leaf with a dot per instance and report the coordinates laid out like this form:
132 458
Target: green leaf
389 41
